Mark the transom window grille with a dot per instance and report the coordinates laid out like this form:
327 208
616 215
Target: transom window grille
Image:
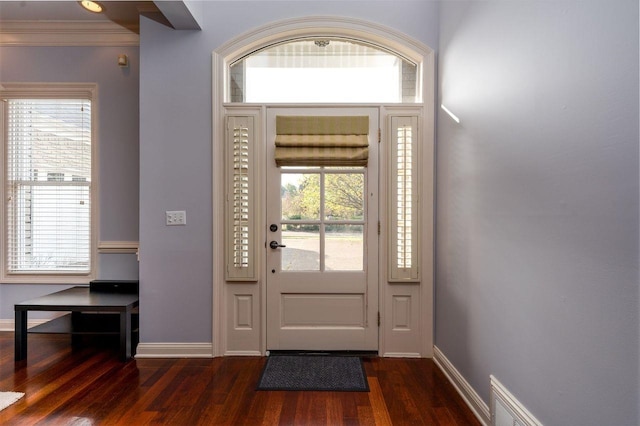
47 185
404 236
334 70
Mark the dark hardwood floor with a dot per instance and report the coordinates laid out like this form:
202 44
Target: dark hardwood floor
89 386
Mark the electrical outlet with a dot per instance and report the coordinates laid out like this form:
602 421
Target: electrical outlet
176 217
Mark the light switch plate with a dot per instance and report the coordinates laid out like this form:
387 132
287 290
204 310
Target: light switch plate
176 217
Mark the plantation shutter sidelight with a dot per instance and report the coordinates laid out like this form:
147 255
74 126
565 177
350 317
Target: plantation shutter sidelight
404 201
240 219
322 141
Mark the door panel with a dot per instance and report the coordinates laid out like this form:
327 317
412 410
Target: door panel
309 310
322 279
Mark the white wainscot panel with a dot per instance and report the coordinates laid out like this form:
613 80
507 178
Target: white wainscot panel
243 314
401 318
242 319
401 313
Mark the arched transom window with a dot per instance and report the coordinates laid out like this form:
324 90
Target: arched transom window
323 70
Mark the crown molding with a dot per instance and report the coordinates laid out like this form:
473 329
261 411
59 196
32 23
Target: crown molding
66 33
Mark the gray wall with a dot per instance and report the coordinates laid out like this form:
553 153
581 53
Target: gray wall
537 208
118 137
537 204
175 148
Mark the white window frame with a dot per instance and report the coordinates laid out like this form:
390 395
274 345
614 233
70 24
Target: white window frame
51 91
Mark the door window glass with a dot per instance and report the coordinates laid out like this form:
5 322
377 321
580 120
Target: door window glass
302 251
322 219
300 194
344 247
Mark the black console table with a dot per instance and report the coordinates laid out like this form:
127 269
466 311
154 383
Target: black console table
92 313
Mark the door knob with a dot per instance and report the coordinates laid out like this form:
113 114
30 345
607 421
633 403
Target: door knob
275 245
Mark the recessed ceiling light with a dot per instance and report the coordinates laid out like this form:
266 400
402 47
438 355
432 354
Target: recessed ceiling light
91 6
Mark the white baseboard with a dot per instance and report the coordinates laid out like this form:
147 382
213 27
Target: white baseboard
401 355
243 353
174 350
468 394
144 350
10 325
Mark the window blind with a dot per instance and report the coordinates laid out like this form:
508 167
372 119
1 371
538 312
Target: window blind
404 201
322 141
48 185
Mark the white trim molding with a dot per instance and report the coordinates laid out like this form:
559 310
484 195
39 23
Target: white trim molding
174 350
243 353
401 355
468 394
288 29
505 408
66 33
115 247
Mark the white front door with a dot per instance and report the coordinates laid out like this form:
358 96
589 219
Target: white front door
322 272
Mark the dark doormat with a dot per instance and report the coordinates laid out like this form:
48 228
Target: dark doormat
314 373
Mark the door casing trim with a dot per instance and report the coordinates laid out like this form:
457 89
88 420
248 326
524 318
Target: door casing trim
324 26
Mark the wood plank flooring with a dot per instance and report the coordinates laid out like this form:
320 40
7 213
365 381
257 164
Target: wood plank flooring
89 386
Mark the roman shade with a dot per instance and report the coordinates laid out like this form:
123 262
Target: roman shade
322 140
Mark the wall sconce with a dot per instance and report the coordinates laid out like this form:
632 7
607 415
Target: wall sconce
123 61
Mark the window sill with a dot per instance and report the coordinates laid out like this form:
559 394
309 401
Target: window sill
43 279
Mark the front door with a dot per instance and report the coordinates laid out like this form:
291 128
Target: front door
322 247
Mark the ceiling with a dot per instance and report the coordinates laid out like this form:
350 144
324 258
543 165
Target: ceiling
123 13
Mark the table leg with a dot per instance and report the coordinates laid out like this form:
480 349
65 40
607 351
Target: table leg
21 335
75 327
125 335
